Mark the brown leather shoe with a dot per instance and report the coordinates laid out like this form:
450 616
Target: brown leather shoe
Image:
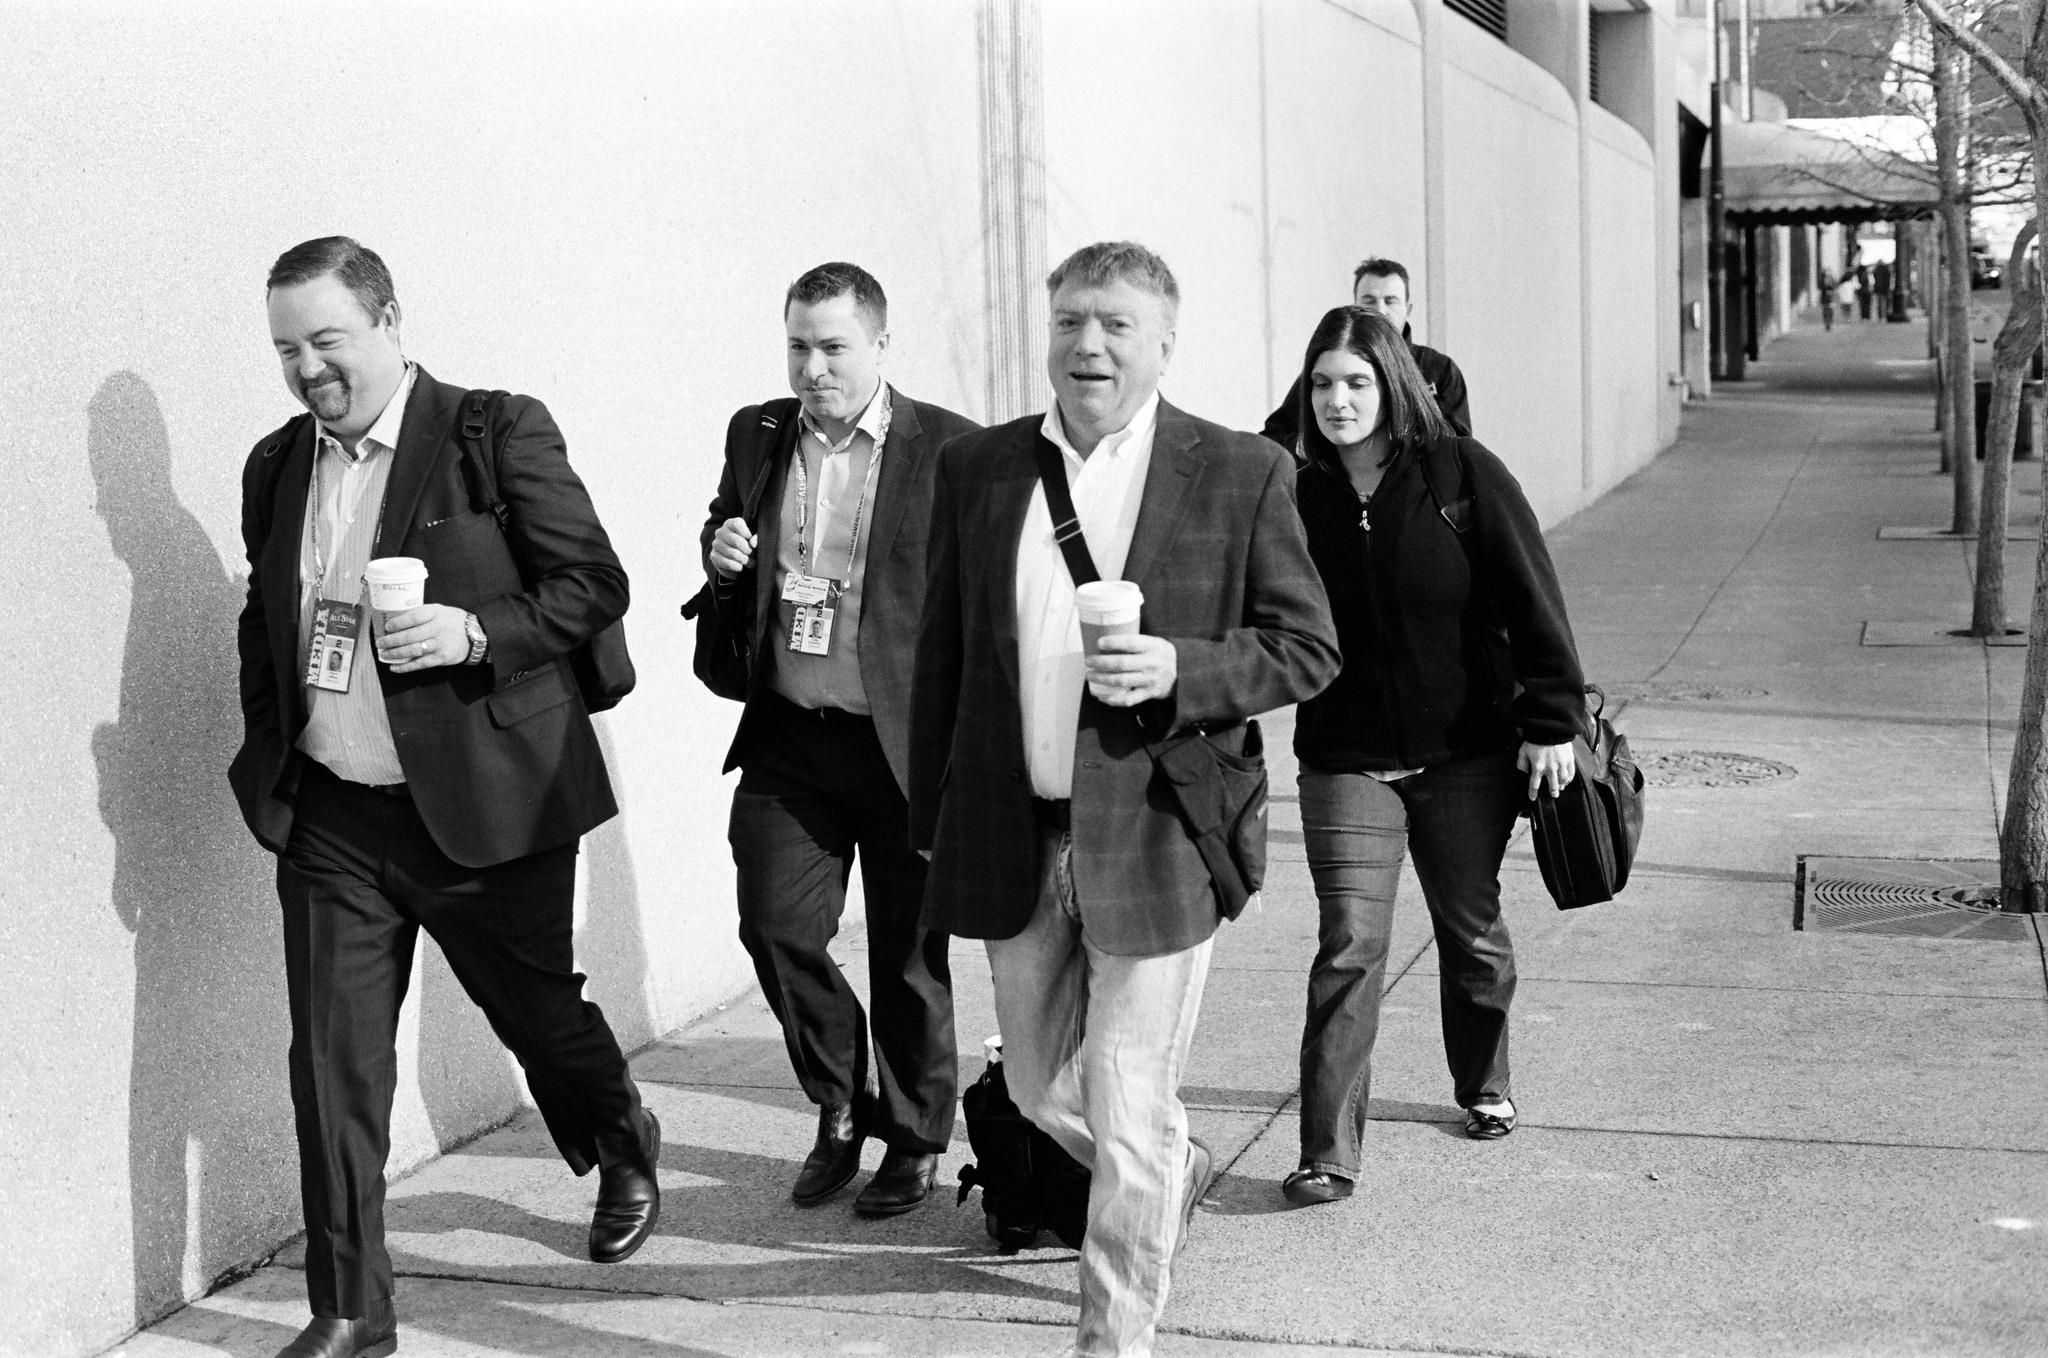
904 1181
372 1335
834 1157
628 1191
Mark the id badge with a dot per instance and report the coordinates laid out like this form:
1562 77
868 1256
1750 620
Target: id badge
331 655
810 632
806 590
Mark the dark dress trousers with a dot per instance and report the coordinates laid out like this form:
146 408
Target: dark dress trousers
1220 556
818 785
1439 370
502 776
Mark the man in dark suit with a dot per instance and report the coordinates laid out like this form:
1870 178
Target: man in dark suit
1381 285
818 536
1052 836
430 768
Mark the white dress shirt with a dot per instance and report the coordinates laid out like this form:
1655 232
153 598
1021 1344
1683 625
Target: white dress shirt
1108 488
349 732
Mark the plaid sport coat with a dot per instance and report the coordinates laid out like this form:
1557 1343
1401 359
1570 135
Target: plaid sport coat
1220 554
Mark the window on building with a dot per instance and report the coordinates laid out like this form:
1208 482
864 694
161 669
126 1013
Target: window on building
1491 15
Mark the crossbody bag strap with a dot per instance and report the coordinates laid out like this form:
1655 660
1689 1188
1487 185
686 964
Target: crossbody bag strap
1066 523
1454 508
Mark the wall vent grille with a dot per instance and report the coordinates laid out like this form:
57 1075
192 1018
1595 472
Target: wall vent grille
1491 15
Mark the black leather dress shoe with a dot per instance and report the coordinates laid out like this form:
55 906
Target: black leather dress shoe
834 1157
904 1180
369 1336
628 1193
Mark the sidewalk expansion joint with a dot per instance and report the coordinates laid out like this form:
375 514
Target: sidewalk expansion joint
1526 1124
1229 1336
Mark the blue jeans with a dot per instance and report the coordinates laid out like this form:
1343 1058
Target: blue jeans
1455 818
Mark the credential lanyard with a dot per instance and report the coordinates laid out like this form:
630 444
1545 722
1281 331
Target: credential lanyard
320 562
867 490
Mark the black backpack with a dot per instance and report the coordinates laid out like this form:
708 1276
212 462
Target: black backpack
1028 1183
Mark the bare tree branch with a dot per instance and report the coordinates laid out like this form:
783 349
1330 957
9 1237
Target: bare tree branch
2022 89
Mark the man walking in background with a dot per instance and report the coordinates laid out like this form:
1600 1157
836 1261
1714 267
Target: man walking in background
817 538
429 768
1032 779
1382 285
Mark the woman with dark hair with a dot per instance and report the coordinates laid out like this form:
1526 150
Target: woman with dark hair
1459 697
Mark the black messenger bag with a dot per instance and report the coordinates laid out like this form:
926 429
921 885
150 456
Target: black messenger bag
1585 837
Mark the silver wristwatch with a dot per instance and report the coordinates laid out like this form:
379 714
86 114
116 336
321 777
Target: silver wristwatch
479 644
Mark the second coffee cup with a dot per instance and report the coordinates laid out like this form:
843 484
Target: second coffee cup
396 583
1107 607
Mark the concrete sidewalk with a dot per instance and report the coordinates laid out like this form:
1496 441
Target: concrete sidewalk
1736 1139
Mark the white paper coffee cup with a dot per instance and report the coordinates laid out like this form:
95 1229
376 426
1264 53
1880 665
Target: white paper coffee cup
396 583
1107 608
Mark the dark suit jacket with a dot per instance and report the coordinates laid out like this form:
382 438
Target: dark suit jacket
500 757
758 446
1439 370
1220 555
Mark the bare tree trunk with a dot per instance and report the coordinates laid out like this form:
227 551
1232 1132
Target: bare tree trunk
2023 842
1959 365
2011 352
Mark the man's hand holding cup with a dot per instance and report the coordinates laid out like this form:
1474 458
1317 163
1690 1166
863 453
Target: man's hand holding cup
412 634
1124 666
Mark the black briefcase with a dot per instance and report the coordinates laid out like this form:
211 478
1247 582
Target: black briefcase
1028 1183
1585 837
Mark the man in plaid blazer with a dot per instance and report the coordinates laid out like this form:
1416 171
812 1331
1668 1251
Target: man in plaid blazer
1031 784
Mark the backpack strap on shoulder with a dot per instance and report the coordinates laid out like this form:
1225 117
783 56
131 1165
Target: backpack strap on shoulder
479 413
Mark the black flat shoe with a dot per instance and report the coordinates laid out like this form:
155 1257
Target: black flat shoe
1308 1187
372 1336
904 1181
628 1193
834 1157
1488 1126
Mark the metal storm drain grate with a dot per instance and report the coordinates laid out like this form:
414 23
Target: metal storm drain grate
1708 768
1666 691
1914 897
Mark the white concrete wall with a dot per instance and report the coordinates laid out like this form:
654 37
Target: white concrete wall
1625 337
600 206
1512 241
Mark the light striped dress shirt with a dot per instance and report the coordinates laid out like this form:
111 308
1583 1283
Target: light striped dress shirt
349 732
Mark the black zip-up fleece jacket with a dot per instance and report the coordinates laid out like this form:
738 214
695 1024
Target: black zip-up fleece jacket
1450 648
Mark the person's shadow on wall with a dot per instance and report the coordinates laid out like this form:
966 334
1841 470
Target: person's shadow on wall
209 1120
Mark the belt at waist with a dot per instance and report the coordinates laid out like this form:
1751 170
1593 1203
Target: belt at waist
1053 814
823 716
396 791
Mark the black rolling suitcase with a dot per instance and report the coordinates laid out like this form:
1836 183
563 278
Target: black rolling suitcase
1028 1183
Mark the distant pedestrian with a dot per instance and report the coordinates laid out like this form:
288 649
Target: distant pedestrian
1460 695
1863 292
1882 276
1827 300
1382 285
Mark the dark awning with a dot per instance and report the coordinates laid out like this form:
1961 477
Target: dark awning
1777 175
